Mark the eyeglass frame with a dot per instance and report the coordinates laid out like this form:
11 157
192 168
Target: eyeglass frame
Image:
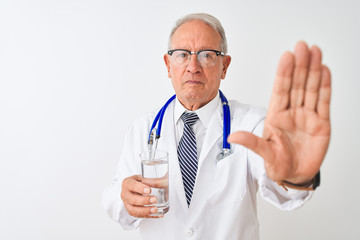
170 52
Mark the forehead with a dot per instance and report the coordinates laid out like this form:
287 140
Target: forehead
196 35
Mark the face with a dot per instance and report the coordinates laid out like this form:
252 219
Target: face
194 85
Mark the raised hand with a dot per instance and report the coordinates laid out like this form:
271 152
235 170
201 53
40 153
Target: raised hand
297 127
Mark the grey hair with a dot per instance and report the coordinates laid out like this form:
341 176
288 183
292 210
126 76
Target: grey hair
206 18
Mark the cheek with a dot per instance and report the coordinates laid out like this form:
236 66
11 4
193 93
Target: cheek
214 75
176 74
176 77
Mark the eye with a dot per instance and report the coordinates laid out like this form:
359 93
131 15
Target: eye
183 54
208 55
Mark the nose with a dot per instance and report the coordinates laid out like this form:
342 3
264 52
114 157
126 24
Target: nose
194 66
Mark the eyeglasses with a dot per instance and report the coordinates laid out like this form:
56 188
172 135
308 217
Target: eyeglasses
206 57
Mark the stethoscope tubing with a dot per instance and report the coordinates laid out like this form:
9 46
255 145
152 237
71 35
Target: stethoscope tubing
159 117
226 123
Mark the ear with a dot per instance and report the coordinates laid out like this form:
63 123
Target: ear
167 63
226 63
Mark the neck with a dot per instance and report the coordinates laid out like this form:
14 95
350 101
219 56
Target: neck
192 106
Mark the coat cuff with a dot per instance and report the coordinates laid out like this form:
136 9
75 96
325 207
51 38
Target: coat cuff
282 199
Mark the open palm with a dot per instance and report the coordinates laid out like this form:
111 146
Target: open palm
297 127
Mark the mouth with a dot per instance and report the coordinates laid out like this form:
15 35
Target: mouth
193 82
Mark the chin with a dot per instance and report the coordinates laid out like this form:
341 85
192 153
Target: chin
195 98
194 95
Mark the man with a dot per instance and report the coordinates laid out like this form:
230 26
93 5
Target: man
295 137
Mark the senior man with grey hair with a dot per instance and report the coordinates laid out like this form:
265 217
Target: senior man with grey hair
278 153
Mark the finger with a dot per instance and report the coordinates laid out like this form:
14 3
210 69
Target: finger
301 54
133 184
249 140
137 199
280 96
141 211
313 79
323 105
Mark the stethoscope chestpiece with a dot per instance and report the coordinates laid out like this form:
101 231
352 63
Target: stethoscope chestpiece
225 152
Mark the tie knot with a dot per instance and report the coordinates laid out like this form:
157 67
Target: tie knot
189 118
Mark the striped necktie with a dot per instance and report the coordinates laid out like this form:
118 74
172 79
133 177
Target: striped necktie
187 154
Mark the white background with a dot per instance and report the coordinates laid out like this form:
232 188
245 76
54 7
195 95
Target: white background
75 73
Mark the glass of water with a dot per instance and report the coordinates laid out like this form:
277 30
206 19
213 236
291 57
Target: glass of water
155 173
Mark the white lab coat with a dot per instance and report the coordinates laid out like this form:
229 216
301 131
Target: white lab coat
223 204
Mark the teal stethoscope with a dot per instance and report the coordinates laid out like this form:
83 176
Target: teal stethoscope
152 143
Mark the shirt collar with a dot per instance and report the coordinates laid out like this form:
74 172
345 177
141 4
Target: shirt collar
204 113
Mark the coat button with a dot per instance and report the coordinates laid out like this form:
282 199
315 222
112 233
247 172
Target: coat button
189 232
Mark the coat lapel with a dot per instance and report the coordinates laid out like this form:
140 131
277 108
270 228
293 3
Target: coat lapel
167 142
213 134
212 146
207 160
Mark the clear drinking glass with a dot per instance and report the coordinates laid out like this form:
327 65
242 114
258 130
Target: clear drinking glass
155 173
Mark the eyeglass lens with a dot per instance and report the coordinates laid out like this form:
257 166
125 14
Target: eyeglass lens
205 58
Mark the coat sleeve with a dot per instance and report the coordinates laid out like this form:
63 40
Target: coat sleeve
269 189
128 165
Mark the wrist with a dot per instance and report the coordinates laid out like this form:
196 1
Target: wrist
308 185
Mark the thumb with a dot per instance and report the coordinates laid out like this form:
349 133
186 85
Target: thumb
248 140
